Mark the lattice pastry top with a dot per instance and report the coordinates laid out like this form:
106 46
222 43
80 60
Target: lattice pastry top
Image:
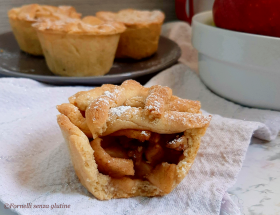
35 12
145 139
133 17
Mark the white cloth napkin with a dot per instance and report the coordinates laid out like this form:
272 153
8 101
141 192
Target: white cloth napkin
36 167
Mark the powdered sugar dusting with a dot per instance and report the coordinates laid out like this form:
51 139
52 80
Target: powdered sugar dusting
175 141
155 104
197 119
119 110
109 94
145 133
101 99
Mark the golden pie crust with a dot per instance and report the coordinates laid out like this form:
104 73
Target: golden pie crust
159 123
22 18
142 33
79 47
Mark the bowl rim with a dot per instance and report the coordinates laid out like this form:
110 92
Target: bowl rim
209 15
247 50
227 56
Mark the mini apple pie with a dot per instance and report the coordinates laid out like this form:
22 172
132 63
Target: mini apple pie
142 33
22 18
79 47
130 140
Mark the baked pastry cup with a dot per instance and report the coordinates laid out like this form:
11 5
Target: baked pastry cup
79 47
130 140
22 18
142 33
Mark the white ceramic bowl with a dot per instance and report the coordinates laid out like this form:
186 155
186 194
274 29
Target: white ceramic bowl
241 67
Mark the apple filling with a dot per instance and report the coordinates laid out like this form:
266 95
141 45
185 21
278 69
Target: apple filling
140 155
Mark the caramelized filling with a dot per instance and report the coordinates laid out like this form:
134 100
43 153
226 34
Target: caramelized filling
83 113
149 152
140 155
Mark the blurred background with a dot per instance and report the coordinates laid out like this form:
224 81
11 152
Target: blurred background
202 5
90 7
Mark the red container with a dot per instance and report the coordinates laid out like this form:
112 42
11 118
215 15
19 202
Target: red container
184 10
